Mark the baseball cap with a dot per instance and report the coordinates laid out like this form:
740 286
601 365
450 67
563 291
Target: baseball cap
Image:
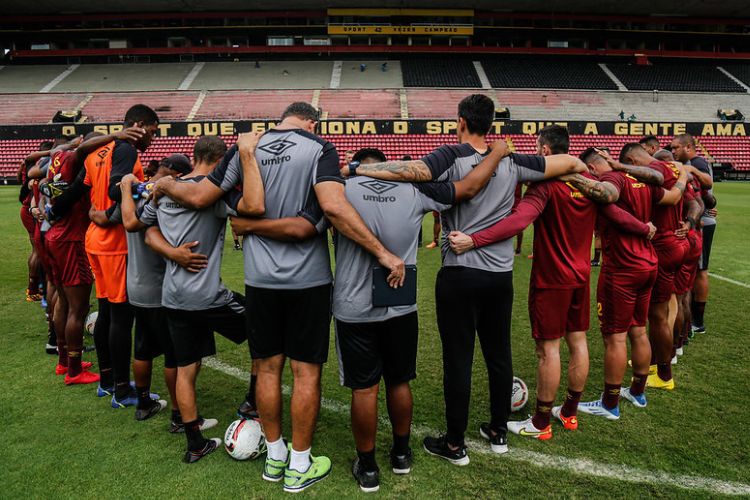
178 163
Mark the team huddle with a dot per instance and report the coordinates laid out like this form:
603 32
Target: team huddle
151 242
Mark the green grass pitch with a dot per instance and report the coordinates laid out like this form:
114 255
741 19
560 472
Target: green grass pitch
63 442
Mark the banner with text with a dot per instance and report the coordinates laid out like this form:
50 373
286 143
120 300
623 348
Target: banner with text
377 127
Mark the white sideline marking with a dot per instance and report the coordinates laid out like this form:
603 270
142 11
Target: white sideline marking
62 76
581 466
191 76
729 280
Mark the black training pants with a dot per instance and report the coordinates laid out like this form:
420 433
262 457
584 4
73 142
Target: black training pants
471 300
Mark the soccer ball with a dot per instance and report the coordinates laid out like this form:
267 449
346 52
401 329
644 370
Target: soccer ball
244 439
90 323
520 395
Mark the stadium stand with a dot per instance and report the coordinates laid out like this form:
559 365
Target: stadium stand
35 108
733 150
546 74
247 105
360 103
679 78
375 75
23 79
439 73
268 75
434 103
124 77
112 107
739 71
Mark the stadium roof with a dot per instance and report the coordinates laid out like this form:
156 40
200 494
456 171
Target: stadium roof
691 8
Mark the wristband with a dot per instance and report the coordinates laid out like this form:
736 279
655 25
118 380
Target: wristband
353 168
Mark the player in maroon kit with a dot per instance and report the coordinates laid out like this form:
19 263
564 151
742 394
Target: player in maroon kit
564 215
670 251
70 264
625 282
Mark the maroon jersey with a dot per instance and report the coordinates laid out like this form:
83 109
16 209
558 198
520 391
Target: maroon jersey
72 226
625 251
667 218
562 235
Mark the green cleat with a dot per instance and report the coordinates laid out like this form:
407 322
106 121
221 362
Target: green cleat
273 470
294 481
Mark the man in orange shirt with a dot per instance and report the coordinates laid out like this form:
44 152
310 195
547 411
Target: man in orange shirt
107 250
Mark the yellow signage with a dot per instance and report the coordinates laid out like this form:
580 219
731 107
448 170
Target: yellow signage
399 30
402 12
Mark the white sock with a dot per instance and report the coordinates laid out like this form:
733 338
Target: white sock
300 460
277 450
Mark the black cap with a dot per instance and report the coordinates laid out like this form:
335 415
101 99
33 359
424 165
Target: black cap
178 163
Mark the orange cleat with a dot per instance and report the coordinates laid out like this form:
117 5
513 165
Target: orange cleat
85 377
63 370
569 423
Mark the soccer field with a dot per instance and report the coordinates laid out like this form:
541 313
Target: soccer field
64 442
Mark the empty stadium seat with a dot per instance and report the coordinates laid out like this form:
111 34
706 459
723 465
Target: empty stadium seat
439 73
682 78
546 74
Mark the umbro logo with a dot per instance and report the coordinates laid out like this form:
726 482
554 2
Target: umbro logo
277 147
378 187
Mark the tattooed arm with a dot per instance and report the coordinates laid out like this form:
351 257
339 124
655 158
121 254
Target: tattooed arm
643 174
407 171
600 192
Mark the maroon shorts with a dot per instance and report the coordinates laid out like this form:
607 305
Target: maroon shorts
555 311
41 250
671 258
623 299
70 263
28 221
685 278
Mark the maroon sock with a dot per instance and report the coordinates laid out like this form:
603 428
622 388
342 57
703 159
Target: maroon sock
570 406
62 352
664 370
638 385
541 417
611 396
74 362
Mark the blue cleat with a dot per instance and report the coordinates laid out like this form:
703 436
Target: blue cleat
638 400
598 409
104 391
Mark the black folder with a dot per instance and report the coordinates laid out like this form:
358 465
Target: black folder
385 296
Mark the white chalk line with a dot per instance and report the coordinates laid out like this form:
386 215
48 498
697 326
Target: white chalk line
580 466
729 280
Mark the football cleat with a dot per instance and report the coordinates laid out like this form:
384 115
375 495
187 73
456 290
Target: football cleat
569 423
657 383
62 370
638 400
193 456
84 377
368 480
597 408
528 429
295 481
401 464
680 351
177 427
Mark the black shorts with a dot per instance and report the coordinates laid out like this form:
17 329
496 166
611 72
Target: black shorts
368 351
708 238
192 332
295 323
152 337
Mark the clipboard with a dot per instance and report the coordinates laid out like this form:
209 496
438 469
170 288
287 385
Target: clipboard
385 296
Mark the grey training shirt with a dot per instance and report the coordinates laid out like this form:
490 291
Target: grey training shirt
493 203
145 268
182 289
702 165
291 163
393 211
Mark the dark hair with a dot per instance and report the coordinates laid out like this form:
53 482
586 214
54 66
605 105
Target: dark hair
627 148
649 139
478 111
140 113
373 153
45 146
588 155
685 139
406 158
302 110
209 149
556 137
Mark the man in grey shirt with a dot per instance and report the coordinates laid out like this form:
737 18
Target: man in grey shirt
474 293
683 148
375 342
288 284
198 303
